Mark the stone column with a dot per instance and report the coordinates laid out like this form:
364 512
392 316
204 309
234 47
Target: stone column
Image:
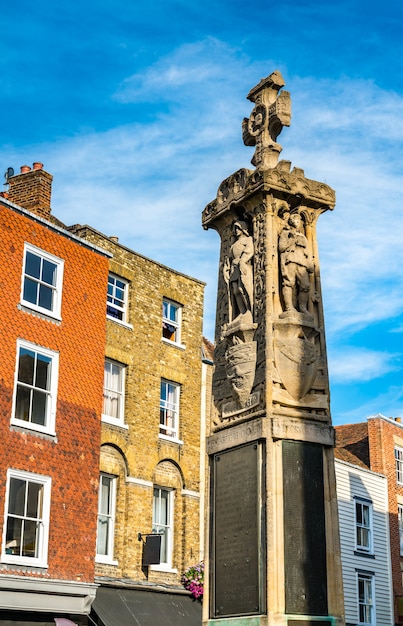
273 543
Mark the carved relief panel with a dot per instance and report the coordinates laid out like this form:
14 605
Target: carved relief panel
299 360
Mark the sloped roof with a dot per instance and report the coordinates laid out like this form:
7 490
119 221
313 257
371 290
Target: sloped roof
352 444
207 350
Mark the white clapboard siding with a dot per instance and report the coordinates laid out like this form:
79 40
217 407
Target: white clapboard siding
353 481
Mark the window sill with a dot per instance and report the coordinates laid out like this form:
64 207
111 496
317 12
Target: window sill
21 562
113 422
171 439
43 313
125 324
164 568
26 427
181 346
366 555
104 560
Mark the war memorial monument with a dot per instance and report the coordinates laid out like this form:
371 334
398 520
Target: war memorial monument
273 539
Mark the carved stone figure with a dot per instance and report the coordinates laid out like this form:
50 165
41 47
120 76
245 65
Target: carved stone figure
238 273
296 265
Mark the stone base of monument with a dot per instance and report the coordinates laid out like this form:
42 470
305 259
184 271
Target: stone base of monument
271 548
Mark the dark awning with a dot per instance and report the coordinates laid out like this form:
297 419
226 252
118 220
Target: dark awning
135 607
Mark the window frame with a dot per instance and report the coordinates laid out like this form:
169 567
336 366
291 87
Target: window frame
55 310
122 309
173 408
176 323
399 464
165 565
110 419
111 518
51 393
43 521
400 523
361 525
366 601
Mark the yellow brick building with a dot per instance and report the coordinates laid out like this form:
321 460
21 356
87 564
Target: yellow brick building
151 423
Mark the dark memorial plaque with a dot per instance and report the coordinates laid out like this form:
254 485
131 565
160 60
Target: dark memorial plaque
238 578
304 530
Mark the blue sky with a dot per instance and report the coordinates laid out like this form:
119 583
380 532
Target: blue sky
136 109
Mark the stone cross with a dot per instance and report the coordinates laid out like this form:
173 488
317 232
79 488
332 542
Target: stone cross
272 111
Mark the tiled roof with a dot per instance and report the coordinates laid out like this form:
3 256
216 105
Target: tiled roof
352 444
208 350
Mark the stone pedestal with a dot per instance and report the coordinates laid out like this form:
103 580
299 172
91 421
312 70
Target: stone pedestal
273 544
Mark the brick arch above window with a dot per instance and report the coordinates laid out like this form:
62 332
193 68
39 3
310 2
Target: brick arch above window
113 460
168 474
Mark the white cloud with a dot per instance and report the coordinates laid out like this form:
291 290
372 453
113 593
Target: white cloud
360 364
148 182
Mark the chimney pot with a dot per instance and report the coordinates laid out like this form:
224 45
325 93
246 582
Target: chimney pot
37 165
25 168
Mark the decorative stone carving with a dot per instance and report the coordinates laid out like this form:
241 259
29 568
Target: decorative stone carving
237 333
270 351
238 275
240 368
272 111
296 356
296 265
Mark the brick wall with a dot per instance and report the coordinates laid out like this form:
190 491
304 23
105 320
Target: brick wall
32 189
146 459
384 435
71 459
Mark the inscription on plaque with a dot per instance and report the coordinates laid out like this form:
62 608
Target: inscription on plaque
304 529
237 531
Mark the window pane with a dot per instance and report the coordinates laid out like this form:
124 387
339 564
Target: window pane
173 313
34 500
42 378
22 403
30 291
49 272
26 366
105 527
358 511
365 514
161 520
33 265
16 498
13 536
116 298
105 495
363 537
113 390
29 539
103 535
39 405
45 297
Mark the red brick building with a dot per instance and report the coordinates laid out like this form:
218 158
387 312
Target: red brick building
52 328
378 445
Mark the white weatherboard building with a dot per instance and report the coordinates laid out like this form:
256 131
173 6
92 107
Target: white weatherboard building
362 497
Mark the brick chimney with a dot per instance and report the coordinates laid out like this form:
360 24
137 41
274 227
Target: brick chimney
31 189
